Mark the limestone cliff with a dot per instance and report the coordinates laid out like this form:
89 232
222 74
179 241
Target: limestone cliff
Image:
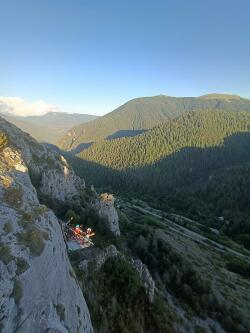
106 209
48 169
55 179
38 289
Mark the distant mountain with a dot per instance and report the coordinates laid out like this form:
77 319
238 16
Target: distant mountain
145 113
50 126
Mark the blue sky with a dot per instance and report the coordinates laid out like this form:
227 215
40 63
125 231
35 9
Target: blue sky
91 56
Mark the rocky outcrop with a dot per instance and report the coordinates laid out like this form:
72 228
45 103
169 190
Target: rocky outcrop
106 209
145 277
55 179
96 257
49 171
38 289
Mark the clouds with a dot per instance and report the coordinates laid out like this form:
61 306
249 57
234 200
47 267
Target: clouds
19 107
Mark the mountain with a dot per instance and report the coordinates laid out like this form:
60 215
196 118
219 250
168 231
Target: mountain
183 158
50 126
145 113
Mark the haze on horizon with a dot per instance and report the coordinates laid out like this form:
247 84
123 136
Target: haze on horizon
90 57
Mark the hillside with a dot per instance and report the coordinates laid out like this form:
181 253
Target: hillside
145 113
199 129
49 127
181 164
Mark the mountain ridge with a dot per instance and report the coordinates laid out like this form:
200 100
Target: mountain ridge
144 113
50 126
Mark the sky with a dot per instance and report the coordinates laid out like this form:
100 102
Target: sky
92 56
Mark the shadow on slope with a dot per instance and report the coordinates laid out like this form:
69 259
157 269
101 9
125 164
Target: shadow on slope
178 170
125 134
80 148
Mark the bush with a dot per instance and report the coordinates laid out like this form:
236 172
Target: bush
17 292
34 240
5 254
244 240
121 279
8 228
60 310
22 265
71 214
239 267
3 140
13 197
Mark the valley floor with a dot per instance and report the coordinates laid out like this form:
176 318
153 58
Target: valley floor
209 258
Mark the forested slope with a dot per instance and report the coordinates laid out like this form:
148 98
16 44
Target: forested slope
197 164
145 113
200 129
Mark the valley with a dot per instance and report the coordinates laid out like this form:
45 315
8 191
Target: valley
210 261
178 228
168 252
125 166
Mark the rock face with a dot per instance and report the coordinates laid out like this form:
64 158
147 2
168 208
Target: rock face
55 179
106 209
49 171
38 289
97 257
145 277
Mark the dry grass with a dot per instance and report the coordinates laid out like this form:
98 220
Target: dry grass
3 140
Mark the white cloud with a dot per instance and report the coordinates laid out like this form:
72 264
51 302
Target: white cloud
19 107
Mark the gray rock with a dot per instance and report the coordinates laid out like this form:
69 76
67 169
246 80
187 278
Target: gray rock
105 207
97 257
145 277
38 291
55 178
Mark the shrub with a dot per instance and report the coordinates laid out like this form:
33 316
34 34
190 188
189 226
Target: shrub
22 265
27 216
60 310
34 240
5 254
17 292
8 228
245 240
3 140
239 267
71 214
121 278
13 197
